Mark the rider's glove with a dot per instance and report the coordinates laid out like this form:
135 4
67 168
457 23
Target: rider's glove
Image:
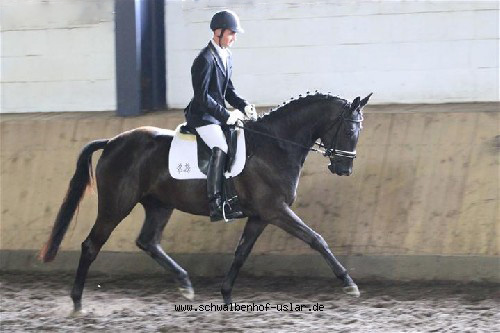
235 117
250 112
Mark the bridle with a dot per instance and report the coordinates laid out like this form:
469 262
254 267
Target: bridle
331 152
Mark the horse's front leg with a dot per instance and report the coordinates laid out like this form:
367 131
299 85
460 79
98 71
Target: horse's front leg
284 218
253 229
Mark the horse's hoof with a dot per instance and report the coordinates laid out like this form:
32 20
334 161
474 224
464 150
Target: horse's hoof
77 309
77 313
352 290
227 300
187 292
186 288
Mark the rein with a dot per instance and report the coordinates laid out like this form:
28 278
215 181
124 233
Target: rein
327 152
324 153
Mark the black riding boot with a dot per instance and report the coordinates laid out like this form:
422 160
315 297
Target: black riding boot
214 183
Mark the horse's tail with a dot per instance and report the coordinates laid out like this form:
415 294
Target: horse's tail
81 179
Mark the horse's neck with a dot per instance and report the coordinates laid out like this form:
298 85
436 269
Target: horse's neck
300 125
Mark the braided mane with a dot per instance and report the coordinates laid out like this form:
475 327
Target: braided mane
287 106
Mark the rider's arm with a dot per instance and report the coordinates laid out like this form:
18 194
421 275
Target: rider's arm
234 99
201 72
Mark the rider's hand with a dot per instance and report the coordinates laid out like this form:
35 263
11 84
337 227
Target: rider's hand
235 117
250 112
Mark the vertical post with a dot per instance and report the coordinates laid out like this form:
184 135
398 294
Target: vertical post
153 71
128 62
140 56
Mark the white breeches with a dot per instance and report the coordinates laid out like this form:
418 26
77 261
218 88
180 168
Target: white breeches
213 136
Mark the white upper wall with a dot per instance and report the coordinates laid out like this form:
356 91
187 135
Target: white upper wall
57 55
403 51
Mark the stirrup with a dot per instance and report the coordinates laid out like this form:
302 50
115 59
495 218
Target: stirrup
233 215
224 204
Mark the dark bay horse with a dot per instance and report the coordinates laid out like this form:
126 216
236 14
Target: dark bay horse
133 169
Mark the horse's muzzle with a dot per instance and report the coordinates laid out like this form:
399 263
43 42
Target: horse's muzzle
339 170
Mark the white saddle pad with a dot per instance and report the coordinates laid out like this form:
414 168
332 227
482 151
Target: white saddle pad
183 156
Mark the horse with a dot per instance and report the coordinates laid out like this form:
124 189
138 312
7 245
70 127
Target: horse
133 168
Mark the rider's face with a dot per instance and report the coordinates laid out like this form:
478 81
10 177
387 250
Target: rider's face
228 38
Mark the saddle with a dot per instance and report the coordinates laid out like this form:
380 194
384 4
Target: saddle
204 152
231 207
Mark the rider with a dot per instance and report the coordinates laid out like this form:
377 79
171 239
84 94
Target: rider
211 79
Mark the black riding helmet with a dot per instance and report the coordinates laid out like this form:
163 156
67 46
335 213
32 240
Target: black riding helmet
226 19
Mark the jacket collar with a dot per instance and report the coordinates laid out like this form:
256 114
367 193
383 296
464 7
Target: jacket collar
219 62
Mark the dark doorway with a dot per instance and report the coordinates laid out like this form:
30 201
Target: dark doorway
140 56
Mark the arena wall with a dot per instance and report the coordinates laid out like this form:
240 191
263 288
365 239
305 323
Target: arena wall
59 55
422 202
405 51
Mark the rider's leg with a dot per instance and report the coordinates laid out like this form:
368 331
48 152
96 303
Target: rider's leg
214 183
215 140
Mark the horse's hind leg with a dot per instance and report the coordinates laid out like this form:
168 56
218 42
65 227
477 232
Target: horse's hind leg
253 229
90 249
149 240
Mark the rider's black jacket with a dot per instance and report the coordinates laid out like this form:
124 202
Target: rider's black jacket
212 86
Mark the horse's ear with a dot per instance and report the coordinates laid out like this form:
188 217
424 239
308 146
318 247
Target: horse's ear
365 100
355 104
